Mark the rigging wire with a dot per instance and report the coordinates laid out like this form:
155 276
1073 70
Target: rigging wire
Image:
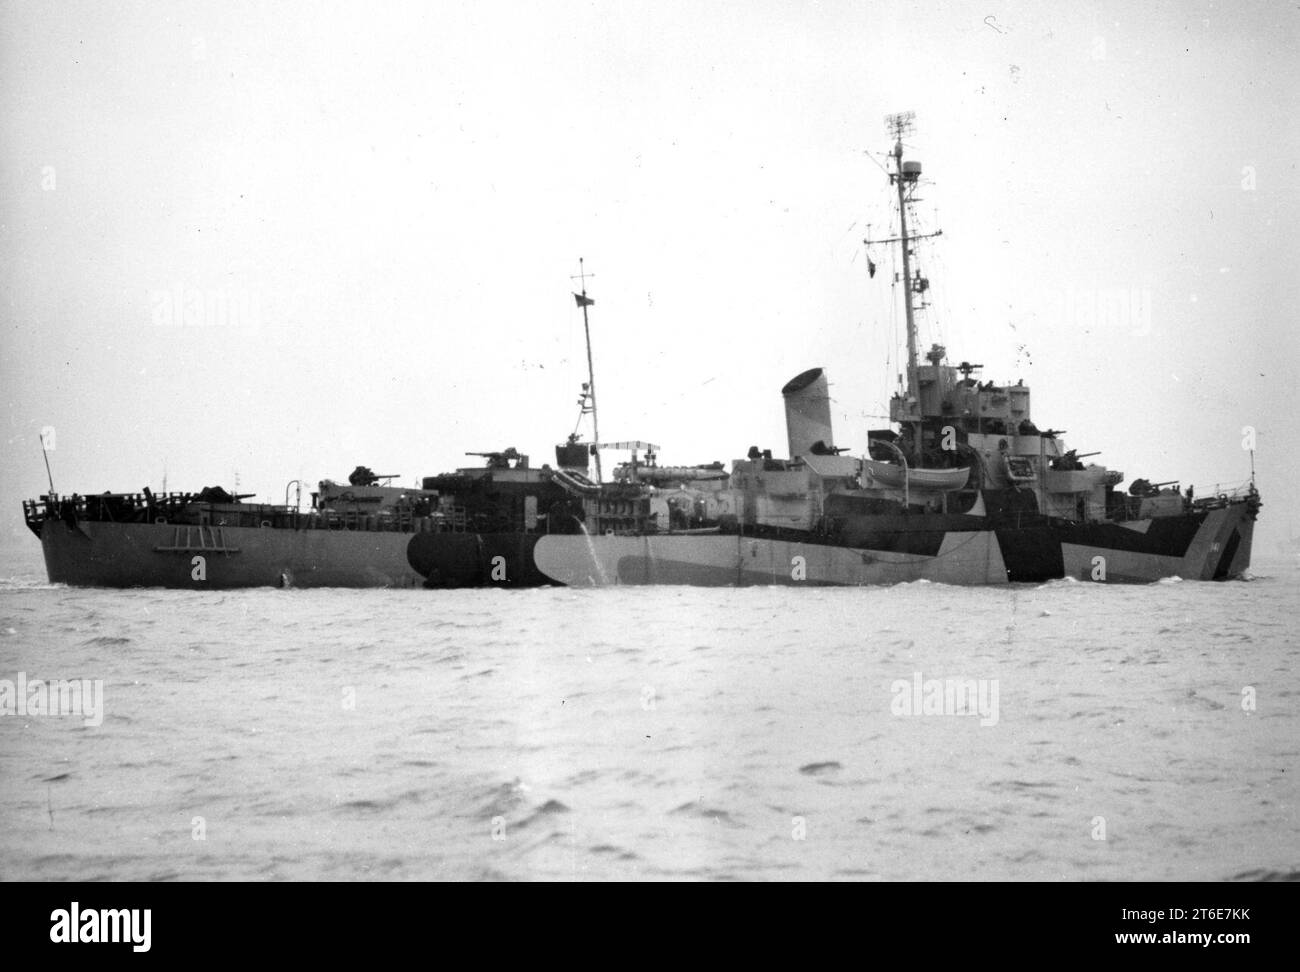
894 378
942 304
884 202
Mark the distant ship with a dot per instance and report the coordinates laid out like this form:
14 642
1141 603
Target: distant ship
963 488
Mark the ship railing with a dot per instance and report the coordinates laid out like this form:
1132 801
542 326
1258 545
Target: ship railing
1200 499
450 519
186 508
52 506
137 507
1223 494
398 520
35 513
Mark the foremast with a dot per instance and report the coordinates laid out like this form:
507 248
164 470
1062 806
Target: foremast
587 402
904 178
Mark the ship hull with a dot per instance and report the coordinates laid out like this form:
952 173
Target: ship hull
101 554
1215 545
741 561
1204 545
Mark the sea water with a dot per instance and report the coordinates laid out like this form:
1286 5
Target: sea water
1063 731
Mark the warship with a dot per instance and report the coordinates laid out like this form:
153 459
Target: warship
962 488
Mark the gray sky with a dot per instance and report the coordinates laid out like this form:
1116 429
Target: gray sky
379 207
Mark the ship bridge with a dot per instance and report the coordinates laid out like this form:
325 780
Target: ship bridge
950 394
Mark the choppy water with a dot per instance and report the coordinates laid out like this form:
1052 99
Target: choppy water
660 733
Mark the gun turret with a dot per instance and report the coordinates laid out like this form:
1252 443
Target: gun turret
1069 462
502 459
364 476
1141 487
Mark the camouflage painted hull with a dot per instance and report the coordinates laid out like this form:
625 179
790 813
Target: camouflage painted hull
1204 545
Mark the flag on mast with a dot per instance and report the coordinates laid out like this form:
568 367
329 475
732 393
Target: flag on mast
583 300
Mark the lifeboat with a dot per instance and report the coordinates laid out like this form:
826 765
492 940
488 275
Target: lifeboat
892 474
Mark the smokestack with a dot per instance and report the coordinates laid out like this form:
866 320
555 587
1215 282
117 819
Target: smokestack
807 412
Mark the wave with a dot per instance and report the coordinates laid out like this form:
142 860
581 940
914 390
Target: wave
820 769
29 584
1264 874
700 811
